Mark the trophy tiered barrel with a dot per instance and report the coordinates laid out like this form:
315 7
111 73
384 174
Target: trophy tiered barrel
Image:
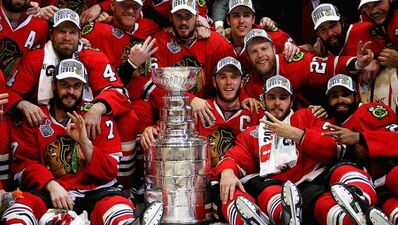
178 166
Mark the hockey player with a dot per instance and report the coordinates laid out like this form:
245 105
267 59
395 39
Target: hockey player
19 33
308 73
290 149
62 167
33 79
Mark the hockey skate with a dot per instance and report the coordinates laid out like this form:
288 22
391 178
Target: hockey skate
348 198
151 216
375 216
291 204
250 212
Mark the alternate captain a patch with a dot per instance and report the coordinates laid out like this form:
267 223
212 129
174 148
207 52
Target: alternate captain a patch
378 112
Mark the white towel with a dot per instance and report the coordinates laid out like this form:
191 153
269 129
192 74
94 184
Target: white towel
276 153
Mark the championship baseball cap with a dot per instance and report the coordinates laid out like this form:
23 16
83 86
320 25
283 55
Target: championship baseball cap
228 61
235 3
189 5
65 15
256 33
342 81
278 81
138 1
323 13
363 2
70 68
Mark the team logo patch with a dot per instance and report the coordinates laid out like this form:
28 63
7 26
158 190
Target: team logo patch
221 140
88 28
276 29
117 33
174 47
201 3
378 112
45 129
63 156
86 107
299 56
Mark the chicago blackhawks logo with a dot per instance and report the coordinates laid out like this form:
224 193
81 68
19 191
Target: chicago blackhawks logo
221 140
297 57
378 112
63 156
9 55
192 62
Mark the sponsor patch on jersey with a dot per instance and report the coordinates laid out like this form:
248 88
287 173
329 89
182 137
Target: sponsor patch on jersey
174 47
86 106
378 112
45 129
88 28
299 56
117 33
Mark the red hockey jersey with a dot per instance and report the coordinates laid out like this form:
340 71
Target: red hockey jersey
104 82
46 152
16 42
314 151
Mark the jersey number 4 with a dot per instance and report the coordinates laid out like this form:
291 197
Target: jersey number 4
109 74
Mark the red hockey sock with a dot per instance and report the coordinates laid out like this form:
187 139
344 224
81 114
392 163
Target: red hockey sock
327 212
354 176
270 202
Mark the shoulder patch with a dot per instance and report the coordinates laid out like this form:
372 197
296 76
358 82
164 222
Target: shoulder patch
276 29
298 57
87 106
378 111
88 28
201 3
117 33
45 129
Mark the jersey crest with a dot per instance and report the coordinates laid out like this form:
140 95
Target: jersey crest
63 156
87 106
9 55
117 33
88 28
45 129
221 140
378 112
174 47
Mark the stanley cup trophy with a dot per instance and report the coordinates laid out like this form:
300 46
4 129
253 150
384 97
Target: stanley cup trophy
178 165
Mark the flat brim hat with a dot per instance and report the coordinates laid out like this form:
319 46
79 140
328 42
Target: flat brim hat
235 3
138 1
64 15
278 81
228 61
255 33
340 80
70 68
363 2
189 5
324 13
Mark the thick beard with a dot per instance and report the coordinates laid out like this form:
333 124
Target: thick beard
179 37
60 105
224 99
7 4
342 116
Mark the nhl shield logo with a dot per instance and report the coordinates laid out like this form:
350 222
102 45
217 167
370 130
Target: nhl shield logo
45 129
174 47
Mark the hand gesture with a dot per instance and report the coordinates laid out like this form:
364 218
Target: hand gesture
93 118
228 183
90 14
283 129
267 23
77 128
104 17
139 53
364 55
388 57
342 135
318 111
290 51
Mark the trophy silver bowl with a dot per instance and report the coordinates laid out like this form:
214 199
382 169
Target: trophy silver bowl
177 166
175 79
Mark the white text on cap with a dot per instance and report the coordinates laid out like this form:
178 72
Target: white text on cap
235 3
70 68
363 2
189 5
254 33
340 80
229 61
323 13
66 15
278 81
